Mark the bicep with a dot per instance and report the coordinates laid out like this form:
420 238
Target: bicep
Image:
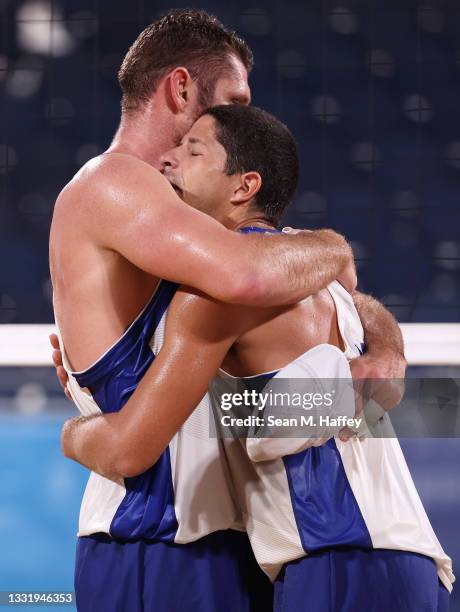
152 228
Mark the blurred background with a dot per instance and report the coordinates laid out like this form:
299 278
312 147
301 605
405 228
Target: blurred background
371 90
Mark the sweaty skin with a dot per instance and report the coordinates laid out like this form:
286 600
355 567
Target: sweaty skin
111 243
202 332
118 227
199 334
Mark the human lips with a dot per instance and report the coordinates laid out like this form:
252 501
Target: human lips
174 185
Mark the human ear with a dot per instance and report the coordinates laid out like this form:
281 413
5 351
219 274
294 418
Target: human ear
247 187
179 82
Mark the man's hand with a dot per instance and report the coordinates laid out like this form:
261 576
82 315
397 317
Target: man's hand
57 360
379 374
379 377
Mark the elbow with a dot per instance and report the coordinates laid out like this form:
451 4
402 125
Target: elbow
131 470
127 469
248 288
130 465
135 452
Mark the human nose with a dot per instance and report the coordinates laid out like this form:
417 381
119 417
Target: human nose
169 161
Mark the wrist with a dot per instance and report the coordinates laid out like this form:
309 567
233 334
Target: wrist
385 362
384 352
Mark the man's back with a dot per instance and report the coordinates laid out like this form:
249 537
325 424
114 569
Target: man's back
288 333
97 291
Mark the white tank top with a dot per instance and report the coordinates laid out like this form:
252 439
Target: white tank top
301 495
186 495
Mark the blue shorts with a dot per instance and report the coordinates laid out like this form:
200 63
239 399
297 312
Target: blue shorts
347 580
215 574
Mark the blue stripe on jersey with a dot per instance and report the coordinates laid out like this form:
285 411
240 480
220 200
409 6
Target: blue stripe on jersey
114 377
147 510
325 508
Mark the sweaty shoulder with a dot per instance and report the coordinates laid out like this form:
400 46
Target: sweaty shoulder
111 179
111 189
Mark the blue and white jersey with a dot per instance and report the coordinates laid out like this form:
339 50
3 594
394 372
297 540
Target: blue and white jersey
186 494
300 495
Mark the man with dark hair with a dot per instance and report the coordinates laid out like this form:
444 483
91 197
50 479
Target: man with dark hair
109 214
243 134
240 165
118 227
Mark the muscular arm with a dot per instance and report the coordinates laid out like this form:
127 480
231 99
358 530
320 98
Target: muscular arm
199 332
132 209
383 365
381 330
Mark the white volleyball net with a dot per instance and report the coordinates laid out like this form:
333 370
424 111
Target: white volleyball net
426 344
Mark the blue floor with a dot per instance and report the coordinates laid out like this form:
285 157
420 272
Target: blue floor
41 492
39 504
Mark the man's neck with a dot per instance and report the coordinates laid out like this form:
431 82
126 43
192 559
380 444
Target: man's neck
253 222
145 135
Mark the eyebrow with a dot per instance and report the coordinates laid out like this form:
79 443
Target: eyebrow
193 140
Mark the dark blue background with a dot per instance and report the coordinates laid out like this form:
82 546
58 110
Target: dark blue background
370 88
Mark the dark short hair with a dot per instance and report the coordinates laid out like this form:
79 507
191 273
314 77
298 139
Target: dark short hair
183 37
256 141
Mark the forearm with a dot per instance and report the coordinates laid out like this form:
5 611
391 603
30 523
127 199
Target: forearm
381 330
254 270
295 266
258 269
126 443
198 334
123 444
378 375
93 442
